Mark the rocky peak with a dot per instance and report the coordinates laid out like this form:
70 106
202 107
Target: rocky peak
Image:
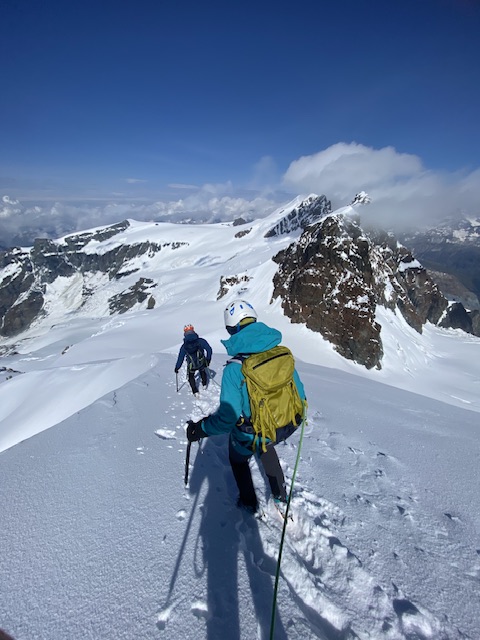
309 211
334 277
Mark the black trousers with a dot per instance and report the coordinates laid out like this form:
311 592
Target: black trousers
193 382
271 464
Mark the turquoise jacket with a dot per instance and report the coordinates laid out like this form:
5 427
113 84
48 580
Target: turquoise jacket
234 403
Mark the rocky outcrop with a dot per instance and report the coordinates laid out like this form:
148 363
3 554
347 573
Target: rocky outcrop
408 285
228 282
457 317
137 293
242 233
454 290
308 212
475 317
334 277
238 222
151 303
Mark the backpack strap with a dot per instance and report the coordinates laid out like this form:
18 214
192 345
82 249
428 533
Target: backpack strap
243 424
239 358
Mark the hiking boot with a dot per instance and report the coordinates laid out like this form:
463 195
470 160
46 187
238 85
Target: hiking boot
196 394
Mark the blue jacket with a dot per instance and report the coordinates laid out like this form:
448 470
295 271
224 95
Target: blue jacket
234 403
190 338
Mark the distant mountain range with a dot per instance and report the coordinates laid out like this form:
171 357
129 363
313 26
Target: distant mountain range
453 248
327 271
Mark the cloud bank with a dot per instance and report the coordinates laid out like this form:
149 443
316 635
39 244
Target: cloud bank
21 223
404 194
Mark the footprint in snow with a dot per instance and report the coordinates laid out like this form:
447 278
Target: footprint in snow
164 615
200 609
326 579
452 517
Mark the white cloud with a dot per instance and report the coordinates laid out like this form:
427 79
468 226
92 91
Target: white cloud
9 207
265 175
135 181
401 188
216 202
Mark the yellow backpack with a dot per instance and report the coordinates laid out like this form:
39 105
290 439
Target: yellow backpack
273 394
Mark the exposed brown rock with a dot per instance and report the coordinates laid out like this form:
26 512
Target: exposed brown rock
334 277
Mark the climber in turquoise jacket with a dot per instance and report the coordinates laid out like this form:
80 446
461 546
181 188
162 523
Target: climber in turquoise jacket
233 414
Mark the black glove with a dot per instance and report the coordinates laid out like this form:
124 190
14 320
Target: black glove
195 431
208 363
176 370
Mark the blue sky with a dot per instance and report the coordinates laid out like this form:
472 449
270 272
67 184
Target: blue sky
156 99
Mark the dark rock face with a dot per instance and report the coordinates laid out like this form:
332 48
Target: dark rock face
20 300
414 292
227 282
22 314
238 222
454 290
139 292
456 317
325 281
335 275
475 318
26 273
308 212
240 234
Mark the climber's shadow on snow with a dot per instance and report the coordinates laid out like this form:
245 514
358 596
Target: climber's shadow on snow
225 538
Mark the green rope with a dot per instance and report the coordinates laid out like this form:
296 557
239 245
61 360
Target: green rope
285 521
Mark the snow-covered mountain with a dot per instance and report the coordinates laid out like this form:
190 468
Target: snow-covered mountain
99 537
331 276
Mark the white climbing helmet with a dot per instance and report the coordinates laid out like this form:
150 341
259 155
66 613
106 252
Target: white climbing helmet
236 311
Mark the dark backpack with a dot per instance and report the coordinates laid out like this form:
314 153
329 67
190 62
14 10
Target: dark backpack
195 355
273 394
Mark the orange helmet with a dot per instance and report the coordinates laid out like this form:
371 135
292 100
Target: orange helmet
187 328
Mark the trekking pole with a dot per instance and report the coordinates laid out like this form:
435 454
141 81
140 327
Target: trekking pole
182 385
176 379
187 463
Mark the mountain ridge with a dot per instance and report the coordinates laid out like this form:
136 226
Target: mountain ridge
134 266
